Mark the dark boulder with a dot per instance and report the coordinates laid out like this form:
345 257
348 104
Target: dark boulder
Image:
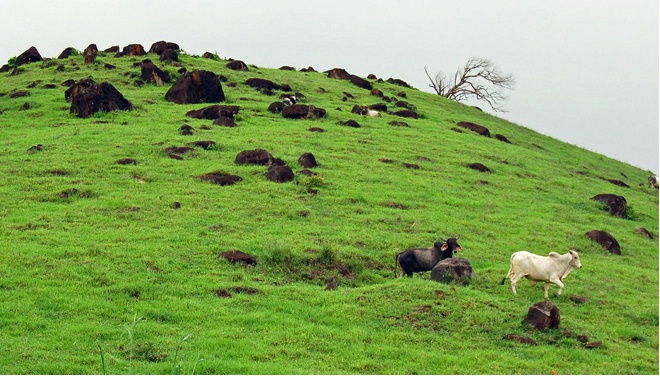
196 87
407 114
225 121
280 173
398 123
112 50
379 107
606 240
617 204
205 144
303 111
208 55
338 73
235 256
450 270
399 82
349 123
474 127
151 73
90 53
645 232
360 82
617 182
237 65
479 167
256 156
220 178
29 56
308 69
133 50
127 161
161 46
77 87
377 93
262 84
276 107
67 52
88 100
543 315
307 160
186 130
169 55
214 112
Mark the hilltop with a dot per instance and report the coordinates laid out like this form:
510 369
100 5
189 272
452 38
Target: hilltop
113 230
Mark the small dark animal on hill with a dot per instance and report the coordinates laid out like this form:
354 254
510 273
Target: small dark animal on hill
424 259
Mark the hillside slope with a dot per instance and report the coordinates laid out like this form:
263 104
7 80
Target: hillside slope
100 273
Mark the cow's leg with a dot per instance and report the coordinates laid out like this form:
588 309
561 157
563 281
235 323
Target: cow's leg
559 283
514 282
546 287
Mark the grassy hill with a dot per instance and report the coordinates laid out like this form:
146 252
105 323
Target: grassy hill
100 274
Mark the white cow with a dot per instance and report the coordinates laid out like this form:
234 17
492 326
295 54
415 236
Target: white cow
548 269
653 181
373 113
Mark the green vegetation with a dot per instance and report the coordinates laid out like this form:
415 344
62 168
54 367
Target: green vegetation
100 274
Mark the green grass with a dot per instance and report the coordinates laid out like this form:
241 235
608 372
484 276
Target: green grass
112 279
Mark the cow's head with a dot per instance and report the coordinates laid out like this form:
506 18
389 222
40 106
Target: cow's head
575 259
452 244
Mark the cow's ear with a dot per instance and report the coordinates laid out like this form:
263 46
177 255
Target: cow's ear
444 247
459 249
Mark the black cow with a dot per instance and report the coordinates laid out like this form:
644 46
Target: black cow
424 259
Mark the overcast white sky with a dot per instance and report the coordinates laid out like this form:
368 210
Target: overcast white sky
586 71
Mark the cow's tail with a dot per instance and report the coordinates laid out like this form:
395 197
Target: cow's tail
510 271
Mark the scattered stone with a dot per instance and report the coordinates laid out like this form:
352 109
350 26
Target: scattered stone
30 55
307 160
256 157
220 178
479 167
349 123
579 299
398 124
593 345
474 127
214 112
161 46
224 121
303 111
450 270
645 232
67 52
176 205
606 240
35 148
280 174
89 54
543 315
206 144
521 339
133 50
407 113
502 138
88 98
127 161
237 65
235 256
338 73
196 87
151 73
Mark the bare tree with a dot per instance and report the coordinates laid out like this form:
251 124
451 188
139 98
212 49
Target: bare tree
478 78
